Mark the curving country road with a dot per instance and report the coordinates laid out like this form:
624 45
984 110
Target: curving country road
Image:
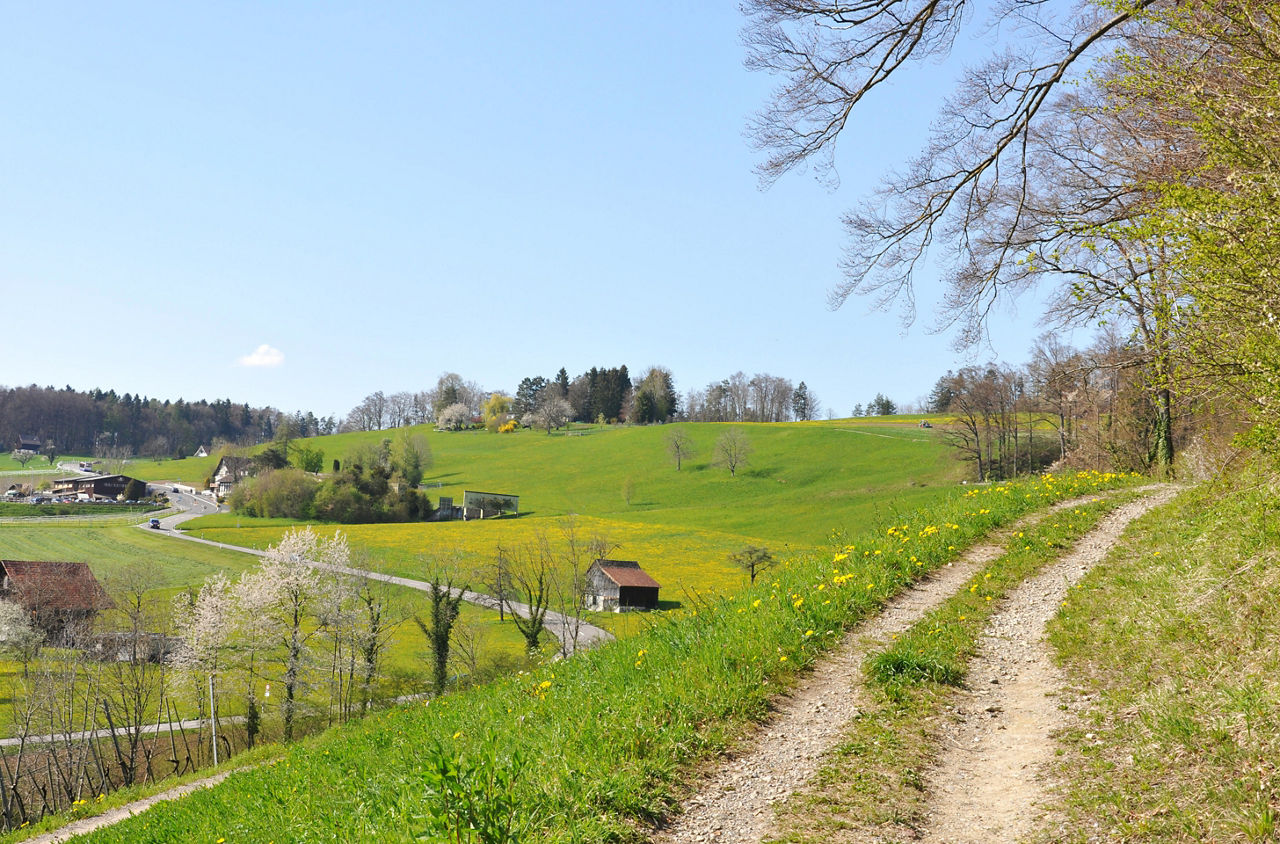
573 634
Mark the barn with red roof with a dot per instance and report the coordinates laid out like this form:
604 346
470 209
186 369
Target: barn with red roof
620 585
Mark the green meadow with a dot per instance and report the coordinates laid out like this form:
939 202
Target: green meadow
599 747
801 483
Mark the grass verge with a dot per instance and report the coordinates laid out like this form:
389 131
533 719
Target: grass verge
874 781
1172 647
596 748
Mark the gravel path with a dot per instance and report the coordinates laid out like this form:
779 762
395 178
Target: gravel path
86 825
735 802
988 782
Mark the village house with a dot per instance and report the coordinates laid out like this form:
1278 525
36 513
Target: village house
201 452
229 472
110 487
620 585
61 597
28 442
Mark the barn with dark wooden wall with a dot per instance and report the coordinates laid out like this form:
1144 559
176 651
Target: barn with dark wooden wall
620 585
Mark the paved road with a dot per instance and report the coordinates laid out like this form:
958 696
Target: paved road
561 626
105 732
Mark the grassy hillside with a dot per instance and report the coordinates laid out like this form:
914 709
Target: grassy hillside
1173 648
597 747
801 483
110 551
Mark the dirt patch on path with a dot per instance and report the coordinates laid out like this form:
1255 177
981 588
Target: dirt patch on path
987 784
112 816
734 804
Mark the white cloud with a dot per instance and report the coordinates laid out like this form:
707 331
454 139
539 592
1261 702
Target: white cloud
264 355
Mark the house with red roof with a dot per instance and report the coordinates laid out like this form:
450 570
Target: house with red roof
620 586
61 597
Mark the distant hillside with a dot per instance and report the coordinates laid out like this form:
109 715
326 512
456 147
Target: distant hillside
800 482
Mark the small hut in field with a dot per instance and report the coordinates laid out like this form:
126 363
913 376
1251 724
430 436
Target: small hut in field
620 586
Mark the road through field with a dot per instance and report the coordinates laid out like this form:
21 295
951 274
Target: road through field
573 633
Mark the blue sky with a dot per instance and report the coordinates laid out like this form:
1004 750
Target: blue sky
379 193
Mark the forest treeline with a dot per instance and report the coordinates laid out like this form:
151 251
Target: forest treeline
105 424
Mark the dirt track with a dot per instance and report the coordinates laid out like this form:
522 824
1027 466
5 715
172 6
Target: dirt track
985 786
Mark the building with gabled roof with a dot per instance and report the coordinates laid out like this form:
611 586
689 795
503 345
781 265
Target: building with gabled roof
62 597
229 472
620 585
96 486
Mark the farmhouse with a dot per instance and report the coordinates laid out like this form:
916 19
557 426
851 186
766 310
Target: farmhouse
62 598
201 452
620 585
96 486
229 472
27 442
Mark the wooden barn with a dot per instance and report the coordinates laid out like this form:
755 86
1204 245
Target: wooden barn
61 597
620 585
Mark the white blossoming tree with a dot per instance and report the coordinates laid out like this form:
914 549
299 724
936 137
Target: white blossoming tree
205 623
285 598
17 637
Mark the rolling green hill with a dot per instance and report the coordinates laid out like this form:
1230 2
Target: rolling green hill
801 482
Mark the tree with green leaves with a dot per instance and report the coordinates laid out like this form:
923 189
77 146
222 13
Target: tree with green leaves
412 456
532 579
803 405
881 405
308 458
445 600
752 559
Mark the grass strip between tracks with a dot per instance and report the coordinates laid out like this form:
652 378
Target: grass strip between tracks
874 779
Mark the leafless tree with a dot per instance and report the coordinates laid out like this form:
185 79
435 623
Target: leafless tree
133 686
752 559
469 641
570 584
830 55
770 398
732 450
399 410
679 446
